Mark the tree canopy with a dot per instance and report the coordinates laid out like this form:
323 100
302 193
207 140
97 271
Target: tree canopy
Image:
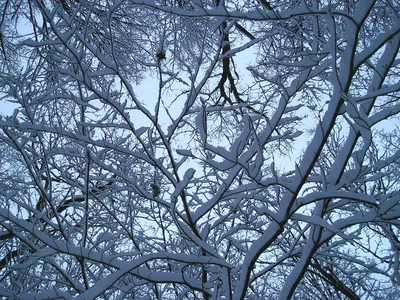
196 149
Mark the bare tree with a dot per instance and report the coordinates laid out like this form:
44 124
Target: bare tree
277 181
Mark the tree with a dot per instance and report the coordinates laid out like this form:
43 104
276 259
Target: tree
273 182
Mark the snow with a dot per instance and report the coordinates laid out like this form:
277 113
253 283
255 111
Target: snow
244 204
